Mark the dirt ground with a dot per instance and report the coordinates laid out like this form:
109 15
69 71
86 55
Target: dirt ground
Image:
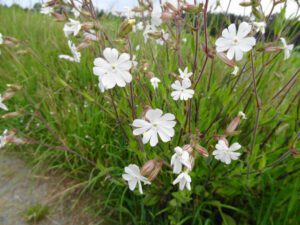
21 188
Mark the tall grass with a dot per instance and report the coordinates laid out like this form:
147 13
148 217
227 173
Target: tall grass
75 128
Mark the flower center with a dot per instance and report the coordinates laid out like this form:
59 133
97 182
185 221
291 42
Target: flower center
114 67
236 41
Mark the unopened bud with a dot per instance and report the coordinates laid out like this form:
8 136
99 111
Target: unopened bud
11 115
148 167
87 26
59 17
10 41
270 48
224 58
83 45
139 9
166 16
126 27
188 148
221 138
192 8
155 171
232 126
14 87
201 150
155 35
295 153
170 6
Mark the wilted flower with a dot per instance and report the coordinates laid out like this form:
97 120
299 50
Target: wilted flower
76 55
155 124
184 181
2 105
154 81
3 138
236 42
235 70
260 26
133 176
72 27
242 115
287 48
113 69
224 153
181 90
179 159
185 74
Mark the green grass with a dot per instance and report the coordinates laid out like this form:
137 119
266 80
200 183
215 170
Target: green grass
36 213
63 107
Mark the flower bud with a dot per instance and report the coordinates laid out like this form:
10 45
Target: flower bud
59 17
148 167
155 35
126 27
188 148
83 45
232 126
150 75
170 6
201 150
166 16
269 48
139 9
87 26
11 115
192 8
221 138
155 171
227 61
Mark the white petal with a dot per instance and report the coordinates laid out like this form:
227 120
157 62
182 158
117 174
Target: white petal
111 55
244 30
235 146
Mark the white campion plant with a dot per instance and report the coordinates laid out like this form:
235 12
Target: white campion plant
286 48
236 42
182 90
225 153
184 180
72 28
133 176
154 82
155 124
179 159
76 55
113 69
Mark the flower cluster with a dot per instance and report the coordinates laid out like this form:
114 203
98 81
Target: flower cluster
117 66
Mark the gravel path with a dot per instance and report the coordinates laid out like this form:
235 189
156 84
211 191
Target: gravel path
20 188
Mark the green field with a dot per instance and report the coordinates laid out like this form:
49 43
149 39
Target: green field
72 126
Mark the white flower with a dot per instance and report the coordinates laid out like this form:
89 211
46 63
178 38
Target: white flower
179 159
138 47
2 105
72 27
148 29
154 124
184 181
287 48
113 69
185 74
235 70
1 39
3 139
236 42
243 115
76 55
260 26
47 10
156 19
154 81
184 40
138 26
225 154
181 90
133 176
